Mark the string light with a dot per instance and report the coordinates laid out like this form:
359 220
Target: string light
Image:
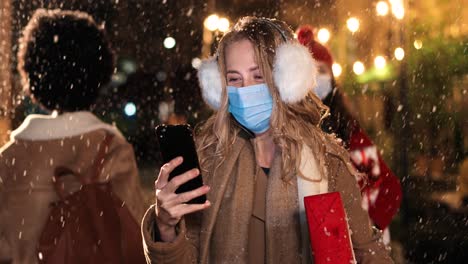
336 69
358 68
211 22
353 24
382 8
223 24
418 44
399 53
380 62
323 35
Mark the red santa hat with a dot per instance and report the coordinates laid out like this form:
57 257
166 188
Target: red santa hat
305 35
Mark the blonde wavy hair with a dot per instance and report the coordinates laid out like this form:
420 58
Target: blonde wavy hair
291 125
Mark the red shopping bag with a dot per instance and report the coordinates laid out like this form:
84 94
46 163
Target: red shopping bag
328 229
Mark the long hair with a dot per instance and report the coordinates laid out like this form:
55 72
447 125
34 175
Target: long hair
292 125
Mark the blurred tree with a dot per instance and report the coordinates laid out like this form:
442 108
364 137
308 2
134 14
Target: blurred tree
434 70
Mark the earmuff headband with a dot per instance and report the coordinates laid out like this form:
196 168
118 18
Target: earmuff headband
271 23
294 72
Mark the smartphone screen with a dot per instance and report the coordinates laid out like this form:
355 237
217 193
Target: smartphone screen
177 140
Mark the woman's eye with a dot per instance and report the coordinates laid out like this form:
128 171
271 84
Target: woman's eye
259 77
233 79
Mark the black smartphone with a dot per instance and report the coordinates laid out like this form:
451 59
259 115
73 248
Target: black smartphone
175 141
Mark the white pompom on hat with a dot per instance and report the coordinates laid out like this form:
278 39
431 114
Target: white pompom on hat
294 74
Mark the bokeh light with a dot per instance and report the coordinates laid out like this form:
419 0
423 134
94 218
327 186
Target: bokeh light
337 70
130 109
380 62
353 24
399 53
358 68
211 22
169 42
382 8
323 35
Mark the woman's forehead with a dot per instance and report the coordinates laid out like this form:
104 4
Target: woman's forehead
240 54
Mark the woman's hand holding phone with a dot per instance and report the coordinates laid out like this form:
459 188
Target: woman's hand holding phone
170 206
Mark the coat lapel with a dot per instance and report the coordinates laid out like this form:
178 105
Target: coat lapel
219 178
333 167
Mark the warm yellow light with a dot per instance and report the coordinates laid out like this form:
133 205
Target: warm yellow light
353 24
211 22
323 35
336 68
417 44
380 62
399 53
398 10
223 24
358 68
382 8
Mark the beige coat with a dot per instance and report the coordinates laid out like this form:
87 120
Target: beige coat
27 164
220 234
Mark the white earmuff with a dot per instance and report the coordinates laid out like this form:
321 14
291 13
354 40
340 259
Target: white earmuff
211 85
294 72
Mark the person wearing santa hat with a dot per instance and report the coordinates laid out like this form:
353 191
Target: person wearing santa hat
381 189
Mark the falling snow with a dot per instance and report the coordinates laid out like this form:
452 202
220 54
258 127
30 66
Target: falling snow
413 108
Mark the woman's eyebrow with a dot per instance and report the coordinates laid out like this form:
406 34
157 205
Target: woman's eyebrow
254 68
251 69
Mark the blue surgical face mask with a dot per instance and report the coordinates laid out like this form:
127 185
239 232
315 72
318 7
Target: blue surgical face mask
251 106
324 86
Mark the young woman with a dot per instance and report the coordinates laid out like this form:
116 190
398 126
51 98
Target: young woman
64 58
261 153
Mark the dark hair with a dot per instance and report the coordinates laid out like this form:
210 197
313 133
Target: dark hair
64 58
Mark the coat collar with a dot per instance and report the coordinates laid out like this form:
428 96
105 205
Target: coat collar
54 126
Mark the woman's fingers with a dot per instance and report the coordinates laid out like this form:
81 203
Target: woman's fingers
175 213
192 208
177 181
187 196
165 170
170 207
